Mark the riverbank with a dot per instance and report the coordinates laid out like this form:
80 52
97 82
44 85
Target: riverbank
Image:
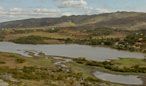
69 50
22 69
17 70
124 65
122 40
112 70
115 43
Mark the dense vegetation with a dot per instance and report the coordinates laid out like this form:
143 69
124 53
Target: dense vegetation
100 31
1 35
116 65
30 40
135 41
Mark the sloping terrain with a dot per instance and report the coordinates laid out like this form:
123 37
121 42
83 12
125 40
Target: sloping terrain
117 20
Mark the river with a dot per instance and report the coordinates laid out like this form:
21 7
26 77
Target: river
69 50
75 50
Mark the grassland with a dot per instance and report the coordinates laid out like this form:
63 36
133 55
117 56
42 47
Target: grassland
17 70
128 62
122 65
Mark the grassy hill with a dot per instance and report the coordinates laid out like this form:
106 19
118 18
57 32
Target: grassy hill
117 20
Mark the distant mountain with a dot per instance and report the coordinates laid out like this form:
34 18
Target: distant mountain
37 22
117 20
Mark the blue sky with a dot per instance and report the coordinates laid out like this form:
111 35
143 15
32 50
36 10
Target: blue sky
22 9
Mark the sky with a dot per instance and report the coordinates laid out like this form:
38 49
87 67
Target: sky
24 9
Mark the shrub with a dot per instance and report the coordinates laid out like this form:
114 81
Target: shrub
20 60
2 62
30 40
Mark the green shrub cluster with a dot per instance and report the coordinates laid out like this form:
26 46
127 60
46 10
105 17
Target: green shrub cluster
30 40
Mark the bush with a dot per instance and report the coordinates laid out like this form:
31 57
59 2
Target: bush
30 40
2 62
20 60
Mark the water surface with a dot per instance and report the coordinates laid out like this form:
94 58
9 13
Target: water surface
122 79
74 50
69 50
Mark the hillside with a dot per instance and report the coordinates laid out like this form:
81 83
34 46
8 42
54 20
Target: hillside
40 22
122 20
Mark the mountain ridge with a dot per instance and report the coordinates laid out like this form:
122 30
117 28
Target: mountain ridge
119 20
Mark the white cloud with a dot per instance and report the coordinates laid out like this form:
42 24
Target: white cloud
15 11
45 11
1 8
67 13
90 10
21 13
80 6
102 10
41 10
71 3
63 7
2 11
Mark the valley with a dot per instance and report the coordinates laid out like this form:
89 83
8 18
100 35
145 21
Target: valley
107 49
